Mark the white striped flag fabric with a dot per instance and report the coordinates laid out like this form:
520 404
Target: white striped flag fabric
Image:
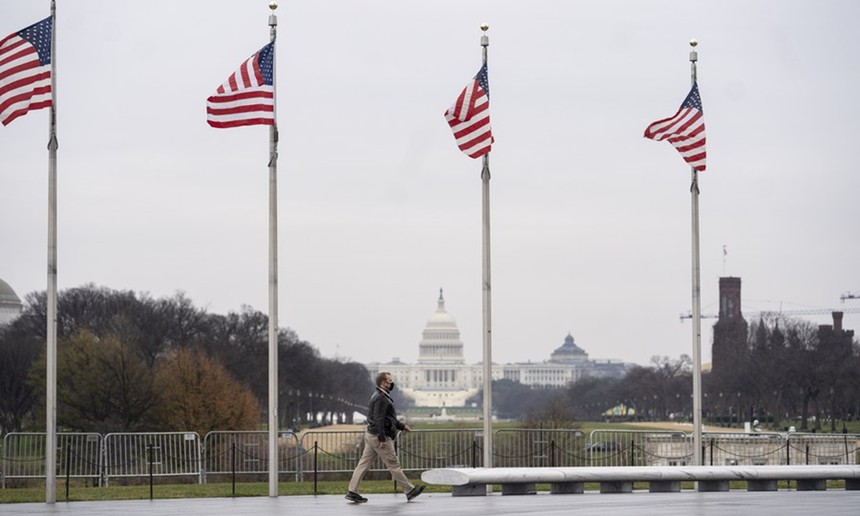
25 71
469 117
685 130
247 97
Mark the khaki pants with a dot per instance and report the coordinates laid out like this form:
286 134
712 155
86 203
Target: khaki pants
389 458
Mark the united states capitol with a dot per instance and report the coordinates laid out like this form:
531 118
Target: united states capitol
442 379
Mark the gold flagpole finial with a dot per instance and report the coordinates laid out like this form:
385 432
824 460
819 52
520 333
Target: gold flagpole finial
273 5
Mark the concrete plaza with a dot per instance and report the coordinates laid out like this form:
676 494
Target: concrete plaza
639 503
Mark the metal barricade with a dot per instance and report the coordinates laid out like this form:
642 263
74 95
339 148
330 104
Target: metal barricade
160 454
78 455
247 453
807 448
332 451
426 449
743 449
23 455
666 449
638 448
126 455
539 448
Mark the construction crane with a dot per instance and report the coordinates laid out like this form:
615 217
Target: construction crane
849 295
770 313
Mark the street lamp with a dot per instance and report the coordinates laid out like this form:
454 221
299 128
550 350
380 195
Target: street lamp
656 411
721 409
739 409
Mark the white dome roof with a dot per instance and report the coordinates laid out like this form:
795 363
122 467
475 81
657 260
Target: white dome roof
10 304
441 338
441 318
7 295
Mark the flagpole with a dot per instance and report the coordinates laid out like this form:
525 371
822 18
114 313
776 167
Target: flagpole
273 272
697 302
487 309
51 331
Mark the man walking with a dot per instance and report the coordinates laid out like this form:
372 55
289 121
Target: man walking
382 428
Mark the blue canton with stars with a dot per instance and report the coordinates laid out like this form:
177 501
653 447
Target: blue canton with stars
483 80
264 61
693 99
39 35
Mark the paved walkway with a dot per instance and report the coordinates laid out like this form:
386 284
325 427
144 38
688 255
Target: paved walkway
687 503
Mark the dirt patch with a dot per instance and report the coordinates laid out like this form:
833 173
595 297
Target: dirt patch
331 428
342 439
683 427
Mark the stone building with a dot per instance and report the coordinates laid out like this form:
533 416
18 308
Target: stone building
442 378
10 304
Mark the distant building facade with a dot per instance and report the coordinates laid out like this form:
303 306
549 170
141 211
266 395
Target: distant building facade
442 378
834 339
10 304
730 345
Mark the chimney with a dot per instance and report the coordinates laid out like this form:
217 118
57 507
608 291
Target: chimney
837 322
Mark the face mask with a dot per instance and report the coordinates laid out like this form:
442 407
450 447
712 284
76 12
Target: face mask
391 387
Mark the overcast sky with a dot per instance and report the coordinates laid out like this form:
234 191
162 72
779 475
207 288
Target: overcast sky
378 209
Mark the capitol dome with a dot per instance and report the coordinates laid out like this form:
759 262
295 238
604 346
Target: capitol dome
441 318
10 304
440 342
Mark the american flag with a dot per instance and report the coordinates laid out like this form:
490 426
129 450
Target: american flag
685 130
469 117
25 71
247 97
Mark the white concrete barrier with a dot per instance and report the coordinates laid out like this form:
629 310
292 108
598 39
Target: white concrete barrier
473 481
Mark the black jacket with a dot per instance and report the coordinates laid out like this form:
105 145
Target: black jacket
381 418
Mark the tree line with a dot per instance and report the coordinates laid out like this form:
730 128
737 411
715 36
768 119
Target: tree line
130 362
781 372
